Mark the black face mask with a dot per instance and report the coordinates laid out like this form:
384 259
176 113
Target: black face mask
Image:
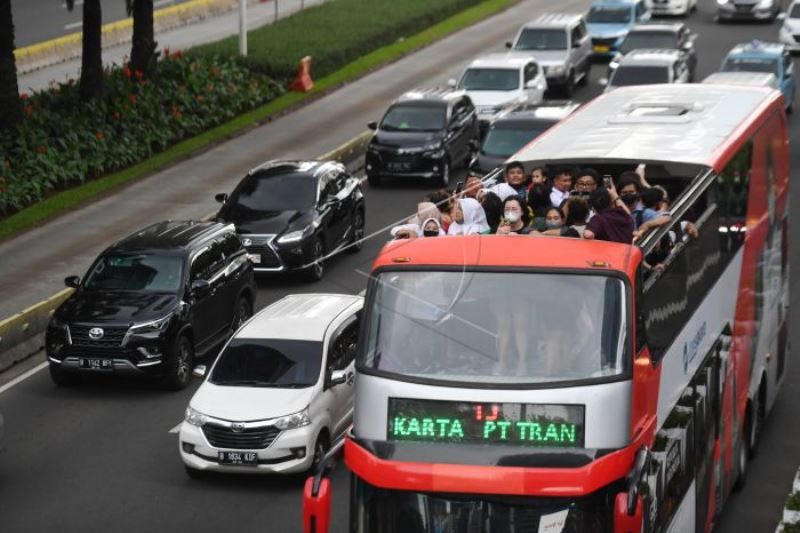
629 198
431 232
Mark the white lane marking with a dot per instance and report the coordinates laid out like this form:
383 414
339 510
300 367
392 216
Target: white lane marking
73 25
176 429
23 377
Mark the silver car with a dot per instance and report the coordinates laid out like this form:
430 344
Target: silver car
561 44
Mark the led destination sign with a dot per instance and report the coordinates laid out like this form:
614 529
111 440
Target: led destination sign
520 424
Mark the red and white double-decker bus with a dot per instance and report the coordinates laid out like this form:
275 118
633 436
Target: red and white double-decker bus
515 384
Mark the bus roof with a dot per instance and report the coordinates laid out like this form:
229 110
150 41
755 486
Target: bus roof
510 251
680 123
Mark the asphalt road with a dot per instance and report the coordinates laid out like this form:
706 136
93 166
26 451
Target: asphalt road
99 457
40 20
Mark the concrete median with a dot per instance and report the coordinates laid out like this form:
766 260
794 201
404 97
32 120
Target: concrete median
22 335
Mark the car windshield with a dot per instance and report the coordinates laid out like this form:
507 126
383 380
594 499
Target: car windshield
537 39
795 12
751 64
495 327
136 272
377 510
609 15
260 194
406 117
639 75
505 141
639 39
490 79
268 363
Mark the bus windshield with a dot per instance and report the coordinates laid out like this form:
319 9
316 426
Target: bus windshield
496 327
390 511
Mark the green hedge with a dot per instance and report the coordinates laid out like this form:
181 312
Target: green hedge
333 34
62 142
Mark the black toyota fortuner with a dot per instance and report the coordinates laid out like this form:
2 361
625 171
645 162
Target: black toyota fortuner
152 301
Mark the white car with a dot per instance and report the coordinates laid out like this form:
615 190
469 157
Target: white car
673 7
498 82
789 34
280 392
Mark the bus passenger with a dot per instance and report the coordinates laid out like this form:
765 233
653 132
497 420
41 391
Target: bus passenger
515 177
630 188
473 186
577 212
613 221
468 218
493 208
562 184
515 218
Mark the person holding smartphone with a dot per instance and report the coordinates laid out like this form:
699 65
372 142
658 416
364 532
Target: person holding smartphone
515 218
612 220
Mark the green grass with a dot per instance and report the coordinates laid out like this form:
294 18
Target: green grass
73 198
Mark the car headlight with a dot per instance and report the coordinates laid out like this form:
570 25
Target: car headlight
150 329
293 421
195 418
722 2
555 69
764 4
293 236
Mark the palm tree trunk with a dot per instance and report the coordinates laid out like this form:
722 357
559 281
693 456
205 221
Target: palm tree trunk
144 45
10 108
92 56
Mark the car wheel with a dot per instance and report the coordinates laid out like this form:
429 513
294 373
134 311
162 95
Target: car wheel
756 421
244 310
178 364
63 378
585 78
321 447
569 86
317 269
195 473
357 241
374 180
444 179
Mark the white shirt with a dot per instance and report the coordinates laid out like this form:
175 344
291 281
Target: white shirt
557 196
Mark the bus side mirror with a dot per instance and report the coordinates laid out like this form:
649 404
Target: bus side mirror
623 521
316 505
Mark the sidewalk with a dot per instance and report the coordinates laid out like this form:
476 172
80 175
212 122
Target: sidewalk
208 30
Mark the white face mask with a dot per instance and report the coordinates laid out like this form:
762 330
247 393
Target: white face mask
512 216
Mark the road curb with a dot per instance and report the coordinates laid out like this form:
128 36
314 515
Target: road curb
54 51
22 334
791 517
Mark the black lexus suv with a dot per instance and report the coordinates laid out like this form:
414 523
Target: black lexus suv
292 215
151 302
425 134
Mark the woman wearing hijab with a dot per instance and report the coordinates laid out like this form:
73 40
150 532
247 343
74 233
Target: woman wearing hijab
425 211
468 218
431 228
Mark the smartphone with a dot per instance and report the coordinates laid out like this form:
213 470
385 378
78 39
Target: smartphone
607 182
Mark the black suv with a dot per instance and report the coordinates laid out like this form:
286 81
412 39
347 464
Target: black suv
425 133
152 301
291 215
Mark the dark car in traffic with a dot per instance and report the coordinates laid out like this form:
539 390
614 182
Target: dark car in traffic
425 133
511 131
659 36
293 215
152 302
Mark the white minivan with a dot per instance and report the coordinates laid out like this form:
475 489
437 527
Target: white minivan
280 392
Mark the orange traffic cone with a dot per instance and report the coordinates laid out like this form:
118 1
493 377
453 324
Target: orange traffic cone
303 82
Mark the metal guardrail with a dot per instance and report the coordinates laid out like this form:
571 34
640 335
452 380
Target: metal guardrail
22 334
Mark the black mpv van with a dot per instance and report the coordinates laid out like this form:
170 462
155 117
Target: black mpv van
152 301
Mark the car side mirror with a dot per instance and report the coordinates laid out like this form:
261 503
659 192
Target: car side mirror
576 44
509 45
372 125
781 17
474 145
72 281
221 197
200 287
199 371
451 83
338 377
603 82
